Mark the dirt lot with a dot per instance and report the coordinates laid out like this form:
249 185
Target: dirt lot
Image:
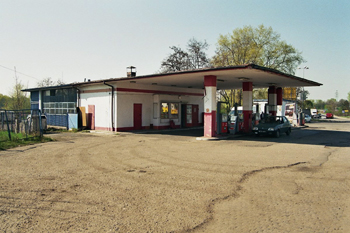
160 183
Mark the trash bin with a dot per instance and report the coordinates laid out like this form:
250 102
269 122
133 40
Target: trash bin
43 122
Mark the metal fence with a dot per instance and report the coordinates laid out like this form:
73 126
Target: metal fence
21 124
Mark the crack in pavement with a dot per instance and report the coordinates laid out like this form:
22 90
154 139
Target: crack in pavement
235 194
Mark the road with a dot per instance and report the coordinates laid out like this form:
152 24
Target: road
162 182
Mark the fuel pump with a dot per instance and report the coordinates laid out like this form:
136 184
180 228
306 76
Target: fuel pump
222 119
239 117
233 124
224 123
235 119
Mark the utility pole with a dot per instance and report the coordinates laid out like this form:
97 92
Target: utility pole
336 95
16 87
303 91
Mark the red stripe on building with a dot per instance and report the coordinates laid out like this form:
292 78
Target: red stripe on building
143 91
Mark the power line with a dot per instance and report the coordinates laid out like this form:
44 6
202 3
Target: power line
19 72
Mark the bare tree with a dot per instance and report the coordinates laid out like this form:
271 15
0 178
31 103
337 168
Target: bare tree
198 57
192 58
47 82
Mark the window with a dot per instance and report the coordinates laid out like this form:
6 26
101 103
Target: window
174 110
169 111
59 108
164 112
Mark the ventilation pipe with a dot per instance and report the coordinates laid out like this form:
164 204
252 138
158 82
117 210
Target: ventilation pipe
112 109
78 102
131 71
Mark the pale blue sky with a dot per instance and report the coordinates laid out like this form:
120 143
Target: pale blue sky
75 39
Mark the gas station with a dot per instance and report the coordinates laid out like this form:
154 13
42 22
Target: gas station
244 77
181 99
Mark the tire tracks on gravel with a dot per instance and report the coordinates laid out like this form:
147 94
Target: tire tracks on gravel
316 163
244 178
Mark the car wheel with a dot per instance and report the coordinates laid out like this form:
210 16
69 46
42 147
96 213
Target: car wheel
277 134
288 131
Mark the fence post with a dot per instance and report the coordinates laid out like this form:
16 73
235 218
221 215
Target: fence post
8 128
40 124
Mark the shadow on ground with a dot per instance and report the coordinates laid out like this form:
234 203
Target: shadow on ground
300 135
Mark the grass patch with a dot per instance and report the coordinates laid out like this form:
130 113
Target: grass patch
57 130
61 129
19 140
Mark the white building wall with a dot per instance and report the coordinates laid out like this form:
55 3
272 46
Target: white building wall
125 109
128 94
182 99
102 102
151 103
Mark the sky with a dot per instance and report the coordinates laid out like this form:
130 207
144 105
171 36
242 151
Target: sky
82 39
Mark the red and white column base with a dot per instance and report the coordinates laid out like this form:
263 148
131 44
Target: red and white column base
247 106
210 106
272 100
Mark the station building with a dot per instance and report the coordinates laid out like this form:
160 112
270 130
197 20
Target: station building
159 101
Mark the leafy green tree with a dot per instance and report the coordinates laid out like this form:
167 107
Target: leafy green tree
231 97
343 104
319 104
308 104
18 99
261 46
4 101
305 95
260 93
192 58
331 105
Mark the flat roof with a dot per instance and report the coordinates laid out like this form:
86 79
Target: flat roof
230 77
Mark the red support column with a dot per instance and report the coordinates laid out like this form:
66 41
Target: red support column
247 106
272 100
210 106
279 92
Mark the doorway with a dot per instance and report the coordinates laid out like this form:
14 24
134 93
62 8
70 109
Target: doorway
195 108
189 115
137 116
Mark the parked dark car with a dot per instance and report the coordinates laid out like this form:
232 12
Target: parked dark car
273 125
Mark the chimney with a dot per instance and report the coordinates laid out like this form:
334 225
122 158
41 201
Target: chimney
131 71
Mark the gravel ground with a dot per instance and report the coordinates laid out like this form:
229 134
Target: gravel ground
164 183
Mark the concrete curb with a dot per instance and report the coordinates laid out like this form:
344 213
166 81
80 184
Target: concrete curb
212 139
